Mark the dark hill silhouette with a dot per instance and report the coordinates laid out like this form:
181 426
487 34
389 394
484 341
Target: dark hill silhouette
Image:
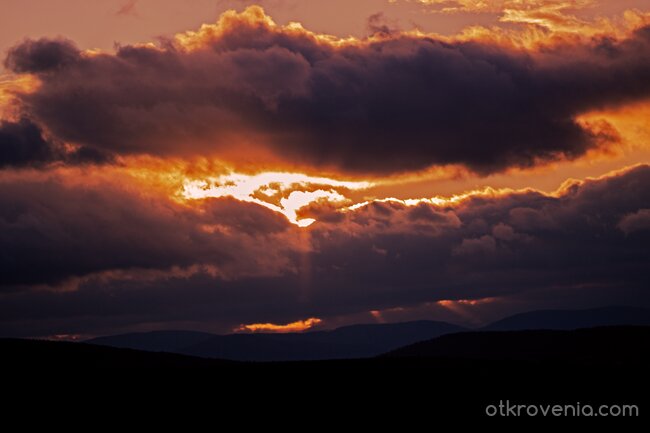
38 355
357 341
455 375
154 341
624 345
573 319
610 345
594 346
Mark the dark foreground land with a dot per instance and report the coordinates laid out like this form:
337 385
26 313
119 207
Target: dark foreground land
611 347
455 375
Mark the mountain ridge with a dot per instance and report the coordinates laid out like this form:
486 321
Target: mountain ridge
572 319
353 341
358 340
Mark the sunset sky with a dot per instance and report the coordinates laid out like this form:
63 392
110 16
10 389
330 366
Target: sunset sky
279 165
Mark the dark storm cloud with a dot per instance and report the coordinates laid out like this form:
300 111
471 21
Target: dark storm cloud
587 243
393 104
22 144
51 232
637 221
42 55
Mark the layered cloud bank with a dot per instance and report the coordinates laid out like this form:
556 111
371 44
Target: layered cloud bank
93 259
391 103
233 175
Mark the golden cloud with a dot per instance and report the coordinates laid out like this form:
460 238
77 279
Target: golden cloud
298 326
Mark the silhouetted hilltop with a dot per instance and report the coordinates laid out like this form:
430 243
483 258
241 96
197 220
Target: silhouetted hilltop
610 345
155 341
41 355
625 345
455 375
573 319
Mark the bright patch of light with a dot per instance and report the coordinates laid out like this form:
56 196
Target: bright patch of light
297 191
299 326
434 201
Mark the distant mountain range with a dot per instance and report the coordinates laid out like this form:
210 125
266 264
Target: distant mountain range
573 319
357 341
591 347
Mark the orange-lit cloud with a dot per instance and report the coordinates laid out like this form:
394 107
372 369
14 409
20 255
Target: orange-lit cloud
293 190
107 246
307 111
439 201
251 169
465 311
452 303
552 15
538 22
379 317
299 326
9 86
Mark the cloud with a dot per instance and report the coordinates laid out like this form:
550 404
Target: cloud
299 326
141 262
22 144
128 8
42 55
392 103
53 232
282 192
379 24
486 244
637 221
179 240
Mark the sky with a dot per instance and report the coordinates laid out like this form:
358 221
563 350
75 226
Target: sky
276 166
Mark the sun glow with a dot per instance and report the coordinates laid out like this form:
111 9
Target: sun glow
437 200
285 193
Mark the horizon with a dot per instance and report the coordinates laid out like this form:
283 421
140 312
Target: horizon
463 327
